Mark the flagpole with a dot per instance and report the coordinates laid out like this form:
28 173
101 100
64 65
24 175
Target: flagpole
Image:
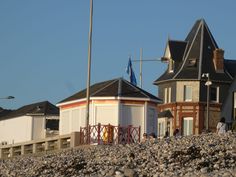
140 69
89 66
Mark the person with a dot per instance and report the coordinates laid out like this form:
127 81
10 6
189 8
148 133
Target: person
176 133
221 127
144 138
152 137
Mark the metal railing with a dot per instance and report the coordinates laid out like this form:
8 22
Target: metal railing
109 134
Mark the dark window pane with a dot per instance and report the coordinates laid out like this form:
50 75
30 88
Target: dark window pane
52 124
213 94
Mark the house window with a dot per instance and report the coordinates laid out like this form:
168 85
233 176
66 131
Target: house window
187 93
167 98
187 126
171 66
215 94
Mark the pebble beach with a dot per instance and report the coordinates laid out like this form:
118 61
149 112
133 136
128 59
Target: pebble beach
197 155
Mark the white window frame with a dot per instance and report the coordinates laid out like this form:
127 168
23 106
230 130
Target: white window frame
167 95
186 87
188 119
217 94
171 65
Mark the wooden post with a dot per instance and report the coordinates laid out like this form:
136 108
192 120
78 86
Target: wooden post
99 133
118 132
109 134
128 134
1 154
88 139
139 131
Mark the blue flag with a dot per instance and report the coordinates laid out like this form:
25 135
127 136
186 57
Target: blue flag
130 71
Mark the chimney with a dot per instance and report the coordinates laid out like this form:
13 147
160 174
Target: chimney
218 60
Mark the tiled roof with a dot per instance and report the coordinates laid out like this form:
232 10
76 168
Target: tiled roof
113 88
41 108
197 58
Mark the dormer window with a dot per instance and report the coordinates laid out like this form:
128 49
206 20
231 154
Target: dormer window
192 62
171 65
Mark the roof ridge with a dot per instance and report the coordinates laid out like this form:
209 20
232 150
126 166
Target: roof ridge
201 52
185 57
138 89
111 82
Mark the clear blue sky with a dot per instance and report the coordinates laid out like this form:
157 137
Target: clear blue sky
44 43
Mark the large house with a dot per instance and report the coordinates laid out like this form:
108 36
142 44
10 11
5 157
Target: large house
115 102
30 122
196 70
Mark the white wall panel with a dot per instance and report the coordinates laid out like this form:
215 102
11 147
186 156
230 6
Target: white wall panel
38 127
83 116
16 130
75 117
106 114
64 122
132 115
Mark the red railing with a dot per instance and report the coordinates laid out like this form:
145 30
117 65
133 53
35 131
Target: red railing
109 134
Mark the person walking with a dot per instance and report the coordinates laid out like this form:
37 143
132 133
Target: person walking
221 127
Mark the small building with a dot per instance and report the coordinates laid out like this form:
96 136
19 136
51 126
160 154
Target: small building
30 122
197 75
115 102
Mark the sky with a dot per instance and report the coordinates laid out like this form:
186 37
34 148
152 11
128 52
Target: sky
44 43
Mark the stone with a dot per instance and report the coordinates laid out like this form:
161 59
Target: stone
129 172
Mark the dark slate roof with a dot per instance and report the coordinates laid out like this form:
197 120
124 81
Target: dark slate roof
113 88
41 108
199 48
230 65
165 113
4 112
177 49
